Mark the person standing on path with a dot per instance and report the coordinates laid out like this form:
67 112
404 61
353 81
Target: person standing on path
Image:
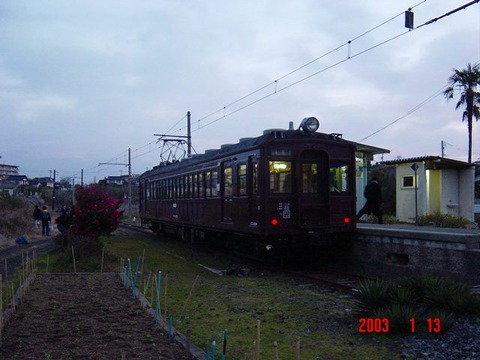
46 218
373 194
37 216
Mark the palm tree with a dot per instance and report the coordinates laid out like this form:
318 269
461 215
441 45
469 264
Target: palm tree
467 81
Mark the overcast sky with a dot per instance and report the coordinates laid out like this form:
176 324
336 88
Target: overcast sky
81 82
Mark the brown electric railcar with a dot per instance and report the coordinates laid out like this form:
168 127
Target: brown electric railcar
284 188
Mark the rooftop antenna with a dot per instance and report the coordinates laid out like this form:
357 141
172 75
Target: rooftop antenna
173 148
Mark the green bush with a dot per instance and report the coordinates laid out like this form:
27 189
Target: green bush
443 220
371 295
422 299
399 316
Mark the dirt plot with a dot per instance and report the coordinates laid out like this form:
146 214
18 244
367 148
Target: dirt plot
84 316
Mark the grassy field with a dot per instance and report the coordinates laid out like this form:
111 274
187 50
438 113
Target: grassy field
257 311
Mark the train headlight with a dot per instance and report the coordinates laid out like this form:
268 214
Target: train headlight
309 125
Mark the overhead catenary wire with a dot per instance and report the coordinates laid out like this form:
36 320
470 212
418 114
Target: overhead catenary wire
412 110
275 83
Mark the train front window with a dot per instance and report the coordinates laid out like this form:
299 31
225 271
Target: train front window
309 178
280 176
339 178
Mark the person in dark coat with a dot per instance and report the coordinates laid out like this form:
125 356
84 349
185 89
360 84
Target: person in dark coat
46 218
37 216
373 194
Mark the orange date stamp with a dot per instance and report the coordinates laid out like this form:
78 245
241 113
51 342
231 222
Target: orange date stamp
382 325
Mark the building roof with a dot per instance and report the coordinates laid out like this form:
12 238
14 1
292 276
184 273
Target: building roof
433 162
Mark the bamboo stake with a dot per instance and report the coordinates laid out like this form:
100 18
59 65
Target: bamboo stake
153 290
188 298
1 307
224 350
143 261
165 297
157 308
103 258
145 285
297 357
13 298
6 272
275 349
48 259
258 340
74 264
23 265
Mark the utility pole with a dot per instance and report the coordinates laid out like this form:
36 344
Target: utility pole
189 135
53 190
443 148
129 164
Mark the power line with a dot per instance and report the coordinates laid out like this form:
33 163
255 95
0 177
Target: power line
276 82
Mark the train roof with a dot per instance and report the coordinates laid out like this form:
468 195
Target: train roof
248 143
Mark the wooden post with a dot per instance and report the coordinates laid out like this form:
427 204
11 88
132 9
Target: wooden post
6 271
188 298
275 350
103 258
297 357
258 340
74 264
165 297
145 286
48 258
143 261
1 307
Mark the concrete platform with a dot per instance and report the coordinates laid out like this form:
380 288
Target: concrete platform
455 239
407 250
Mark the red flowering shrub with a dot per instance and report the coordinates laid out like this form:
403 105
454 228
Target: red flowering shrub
96 213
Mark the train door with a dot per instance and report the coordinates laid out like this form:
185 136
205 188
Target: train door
226 188
313 189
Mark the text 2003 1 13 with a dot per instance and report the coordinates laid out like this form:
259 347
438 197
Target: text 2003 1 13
382 325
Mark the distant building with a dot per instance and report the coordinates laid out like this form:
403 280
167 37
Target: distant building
7 170
46 182
15 185
116 180
442 186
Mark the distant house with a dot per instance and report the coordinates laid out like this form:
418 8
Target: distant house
15 184
117 180
46 182
442 186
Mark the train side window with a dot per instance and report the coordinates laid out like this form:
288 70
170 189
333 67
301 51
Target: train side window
201 185
215 184
208 184
309 178
194 185
242 179
280 176
255 178
339 179
176 186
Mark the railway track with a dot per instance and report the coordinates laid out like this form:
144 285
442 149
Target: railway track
333 279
